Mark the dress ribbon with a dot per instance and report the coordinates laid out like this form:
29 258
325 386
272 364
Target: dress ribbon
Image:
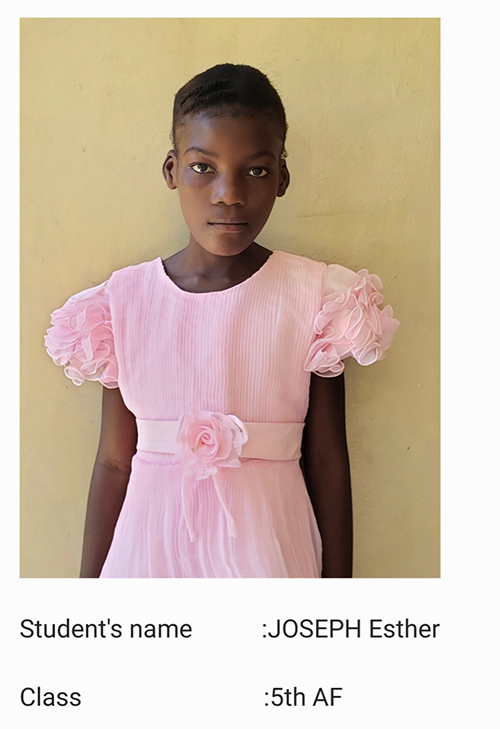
186 483
205 442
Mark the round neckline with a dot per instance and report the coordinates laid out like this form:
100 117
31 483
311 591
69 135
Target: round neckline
172 283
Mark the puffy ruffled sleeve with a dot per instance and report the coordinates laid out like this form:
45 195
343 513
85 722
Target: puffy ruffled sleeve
81 338
350 322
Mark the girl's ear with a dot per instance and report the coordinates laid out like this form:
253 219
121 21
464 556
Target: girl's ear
284 179
170 170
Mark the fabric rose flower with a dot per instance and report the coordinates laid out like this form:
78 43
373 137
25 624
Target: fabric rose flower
350 324
81 338
208 441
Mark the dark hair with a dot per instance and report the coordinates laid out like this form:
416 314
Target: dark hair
232 89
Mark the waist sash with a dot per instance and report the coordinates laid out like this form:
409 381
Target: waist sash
204 442
267 441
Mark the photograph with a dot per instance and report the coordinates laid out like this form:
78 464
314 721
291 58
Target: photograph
230 297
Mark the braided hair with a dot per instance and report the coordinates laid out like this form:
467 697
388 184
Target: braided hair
231 90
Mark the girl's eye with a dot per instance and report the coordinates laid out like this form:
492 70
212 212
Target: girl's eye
201 168
258 172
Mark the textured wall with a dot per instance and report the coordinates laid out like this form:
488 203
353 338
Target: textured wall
362 98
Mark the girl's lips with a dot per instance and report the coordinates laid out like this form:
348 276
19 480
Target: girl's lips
228 226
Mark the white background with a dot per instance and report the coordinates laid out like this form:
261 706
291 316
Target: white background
219 676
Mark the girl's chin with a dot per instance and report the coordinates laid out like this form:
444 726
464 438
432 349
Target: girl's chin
224 245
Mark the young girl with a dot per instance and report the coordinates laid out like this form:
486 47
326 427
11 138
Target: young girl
223 448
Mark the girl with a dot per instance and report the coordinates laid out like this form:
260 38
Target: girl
223 448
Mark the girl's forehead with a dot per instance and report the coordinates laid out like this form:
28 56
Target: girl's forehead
225 133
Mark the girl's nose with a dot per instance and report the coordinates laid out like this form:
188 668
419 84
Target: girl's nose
229 190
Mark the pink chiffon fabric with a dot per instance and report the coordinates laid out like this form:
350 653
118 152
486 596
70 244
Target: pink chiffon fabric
248 351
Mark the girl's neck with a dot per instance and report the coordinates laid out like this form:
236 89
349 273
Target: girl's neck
195 269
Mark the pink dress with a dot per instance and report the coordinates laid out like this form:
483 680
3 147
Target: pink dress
221 379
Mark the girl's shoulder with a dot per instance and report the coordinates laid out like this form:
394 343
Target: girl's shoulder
302 276
300 264
145 272
294 259
333 276
132 273
330 277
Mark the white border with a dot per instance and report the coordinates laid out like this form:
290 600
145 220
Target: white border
446 683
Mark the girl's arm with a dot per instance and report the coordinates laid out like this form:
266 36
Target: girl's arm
325 464
109 482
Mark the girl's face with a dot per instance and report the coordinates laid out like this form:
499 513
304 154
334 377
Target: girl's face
228 172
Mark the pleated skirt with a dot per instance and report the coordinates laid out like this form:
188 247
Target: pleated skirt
276 530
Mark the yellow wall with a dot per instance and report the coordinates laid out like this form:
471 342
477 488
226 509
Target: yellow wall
362 98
